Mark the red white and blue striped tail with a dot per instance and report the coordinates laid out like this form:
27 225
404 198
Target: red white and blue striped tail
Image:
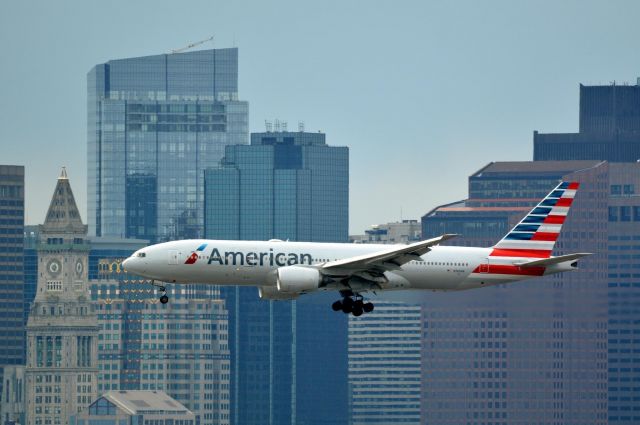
536 234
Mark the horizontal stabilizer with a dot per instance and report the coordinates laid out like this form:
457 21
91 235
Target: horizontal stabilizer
553 260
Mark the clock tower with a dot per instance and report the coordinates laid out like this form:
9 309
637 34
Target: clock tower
62 330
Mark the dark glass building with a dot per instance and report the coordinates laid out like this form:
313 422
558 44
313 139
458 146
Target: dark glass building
154 124
12 328
609 128
532 351
291 186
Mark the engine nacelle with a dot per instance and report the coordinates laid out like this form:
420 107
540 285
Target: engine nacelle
296 279
272 293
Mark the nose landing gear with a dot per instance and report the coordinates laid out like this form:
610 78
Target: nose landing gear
352 303
163 298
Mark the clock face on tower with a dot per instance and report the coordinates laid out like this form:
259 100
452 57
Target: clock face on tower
79 268
54 267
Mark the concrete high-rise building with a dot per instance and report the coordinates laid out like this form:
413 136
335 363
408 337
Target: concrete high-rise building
290 186
180 348
532 349
62 333
623 295
11 265
385 365
609 128
135 407
154 124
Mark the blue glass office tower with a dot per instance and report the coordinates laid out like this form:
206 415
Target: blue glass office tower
11 265
291 186
285 185
154 124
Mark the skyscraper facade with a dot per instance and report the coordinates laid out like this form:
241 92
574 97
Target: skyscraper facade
534 349
11 265
154 124
290 186
609 128
180 347
285 185
62 332
385 365
623 279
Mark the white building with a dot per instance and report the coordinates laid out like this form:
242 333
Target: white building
405 231
135 407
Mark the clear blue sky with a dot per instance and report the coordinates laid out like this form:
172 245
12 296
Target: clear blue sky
424 93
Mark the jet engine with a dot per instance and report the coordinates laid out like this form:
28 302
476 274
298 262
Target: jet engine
296 279
272 293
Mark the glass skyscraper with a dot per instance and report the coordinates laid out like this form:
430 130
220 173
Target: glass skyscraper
285 185
11 265
291 186
154 125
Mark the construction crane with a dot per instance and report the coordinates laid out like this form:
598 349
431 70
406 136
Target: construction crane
192 45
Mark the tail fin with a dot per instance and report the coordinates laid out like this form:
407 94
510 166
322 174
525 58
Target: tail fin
536 234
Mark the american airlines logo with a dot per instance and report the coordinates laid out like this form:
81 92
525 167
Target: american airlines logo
195 254
239 258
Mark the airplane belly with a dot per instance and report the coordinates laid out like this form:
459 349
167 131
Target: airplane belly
436 278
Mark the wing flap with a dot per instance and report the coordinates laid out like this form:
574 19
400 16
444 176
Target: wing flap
553 260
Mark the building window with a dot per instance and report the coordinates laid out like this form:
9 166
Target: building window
628 189
625 213
54 285
616 189
613 213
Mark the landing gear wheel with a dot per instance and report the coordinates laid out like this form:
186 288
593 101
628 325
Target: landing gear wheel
367 308
356 311
164 299
347 305
337 306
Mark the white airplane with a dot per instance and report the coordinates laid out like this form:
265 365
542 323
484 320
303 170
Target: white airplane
285 270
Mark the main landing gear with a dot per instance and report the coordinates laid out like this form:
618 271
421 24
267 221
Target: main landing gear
352 303
163 298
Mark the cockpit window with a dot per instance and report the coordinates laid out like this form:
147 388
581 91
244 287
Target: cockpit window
141 255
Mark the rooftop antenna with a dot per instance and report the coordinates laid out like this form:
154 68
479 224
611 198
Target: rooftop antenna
284 126
192 45
301 126
268 125
276 125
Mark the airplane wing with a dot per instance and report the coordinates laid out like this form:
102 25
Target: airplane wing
382 261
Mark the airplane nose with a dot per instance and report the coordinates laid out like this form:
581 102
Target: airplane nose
124 263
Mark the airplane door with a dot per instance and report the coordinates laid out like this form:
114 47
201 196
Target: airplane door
484 266
173 257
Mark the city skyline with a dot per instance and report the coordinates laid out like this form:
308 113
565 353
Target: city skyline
431 67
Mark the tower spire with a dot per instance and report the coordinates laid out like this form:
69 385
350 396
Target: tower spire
63 212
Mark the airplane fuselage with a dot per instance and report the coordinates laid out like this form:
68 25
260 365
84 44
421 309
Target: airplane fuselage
254 263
